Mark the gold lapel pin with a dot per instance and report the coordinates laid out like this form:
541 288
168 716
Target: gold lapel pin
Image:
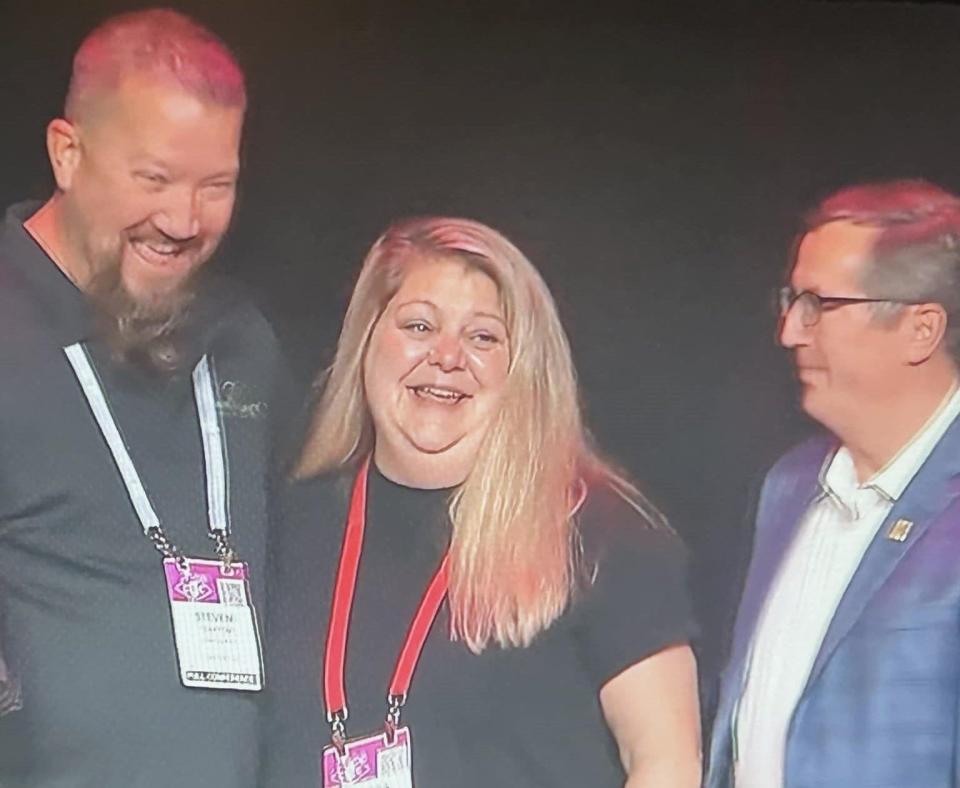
900 530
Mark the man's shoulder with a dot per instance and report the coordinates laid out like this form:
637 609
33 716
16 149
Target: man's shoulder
253 370
234 302
13 240
236 322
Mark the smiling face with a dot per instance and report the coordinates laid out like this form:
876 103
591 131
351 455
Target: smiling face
435 371
148 187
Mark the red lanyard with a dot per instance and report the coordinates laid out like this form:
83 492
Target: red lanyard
334 660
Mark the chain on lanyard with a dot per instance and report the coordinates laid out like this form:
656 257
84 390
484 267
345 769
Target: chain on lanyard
214 462
334 661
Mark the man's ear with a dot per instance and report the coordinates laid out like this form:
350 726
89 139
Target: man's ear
926 325
63 148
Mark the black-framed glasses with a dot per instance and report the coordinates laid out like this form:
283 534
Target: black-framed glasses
813 305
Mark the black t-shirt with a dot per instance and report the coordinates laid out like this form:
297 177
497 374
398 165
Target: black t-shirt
86 621
505 717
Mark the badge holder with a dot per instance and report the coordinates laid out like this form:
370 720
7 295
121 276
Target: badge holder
215 630
384 759
214 624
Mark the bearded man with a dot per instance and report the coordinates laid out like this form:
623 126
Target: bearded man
136 431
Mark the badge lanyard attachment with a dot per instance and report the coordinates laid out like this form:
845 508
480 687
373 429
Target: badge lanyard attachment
334 663
214 462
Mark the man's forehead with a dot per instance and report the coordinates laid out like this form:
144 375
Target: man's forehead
151 118
840 246
143 93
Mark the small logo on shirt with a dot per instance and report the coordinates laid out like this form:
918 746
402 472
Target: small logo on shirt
236 400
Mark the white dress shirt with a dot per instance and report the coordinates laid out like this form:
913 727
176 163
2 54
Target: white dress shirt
822 558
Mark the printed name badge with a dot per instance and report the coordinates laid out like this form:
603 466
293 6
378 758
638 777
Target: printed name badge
371 762
214 625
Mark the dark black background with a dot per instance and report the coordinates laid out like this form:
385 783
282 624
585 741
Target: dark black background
652 160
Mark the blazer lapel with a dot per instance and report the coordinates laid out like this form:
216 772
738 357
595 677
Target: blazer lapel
929 493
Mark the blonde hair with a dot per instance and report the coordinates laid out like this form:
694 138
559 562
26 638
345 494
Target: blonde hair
515 558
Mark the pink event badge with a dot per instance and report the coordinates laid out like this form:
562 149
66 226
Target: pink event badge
200 582
371 762
214 625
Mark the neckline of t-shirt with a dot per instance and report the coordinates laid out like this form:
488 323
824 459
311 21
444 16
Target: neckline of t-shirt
401 487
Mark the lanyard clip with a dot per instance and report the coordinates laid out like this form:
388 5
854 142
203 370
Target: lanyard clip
167 548
394 704
224 551
338 731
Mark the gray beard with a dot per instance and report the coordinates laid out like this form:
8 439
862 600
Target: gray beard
146 334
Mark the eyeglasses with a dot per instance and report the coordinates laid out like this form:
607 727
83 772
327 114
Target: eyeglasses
813 305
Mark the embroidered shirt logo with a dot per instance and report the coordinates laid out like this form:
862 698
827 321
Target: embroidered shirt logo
235 400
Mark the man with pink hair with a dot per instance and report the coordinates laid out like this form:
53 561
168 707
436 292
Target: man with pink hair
136 418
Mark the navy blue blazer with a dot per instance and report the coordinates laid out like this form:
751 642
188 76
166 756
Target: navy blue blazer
880 707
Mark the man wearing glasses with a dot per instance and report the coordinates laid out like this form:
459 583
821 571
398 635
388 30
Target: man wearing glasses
845 664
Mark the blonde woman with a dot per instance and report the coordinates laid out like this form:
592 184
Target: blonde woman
465 593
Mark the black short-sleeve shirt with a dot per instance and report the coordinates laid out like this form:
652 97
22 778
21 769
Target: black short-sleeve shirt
505 717
86 623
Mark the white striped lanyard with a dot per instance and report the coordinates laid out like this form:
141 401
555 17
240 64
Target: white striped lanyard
214 462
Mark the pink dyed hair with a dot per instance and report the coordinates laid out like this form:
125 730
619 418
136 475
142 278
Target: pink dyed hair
916 258
158 41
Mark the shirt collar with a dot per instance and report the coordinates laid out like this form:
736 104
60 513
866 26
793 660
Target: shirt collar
894 477
838 477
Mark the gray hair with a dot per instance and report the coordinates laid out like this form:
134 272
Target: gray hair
916 259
